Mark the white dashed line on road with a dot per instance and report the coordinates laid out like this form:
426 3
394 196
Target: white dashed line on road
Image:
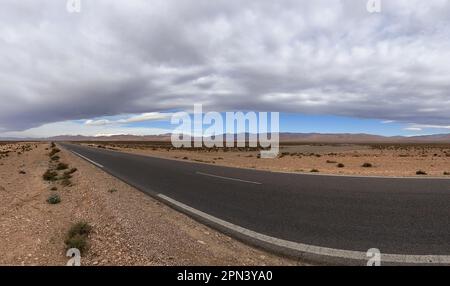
228 178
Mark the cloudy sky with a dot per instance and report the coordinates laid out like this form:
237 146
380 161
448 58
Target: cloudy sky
124 66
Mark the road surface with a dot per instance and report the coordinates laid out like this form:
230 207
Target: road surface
404 216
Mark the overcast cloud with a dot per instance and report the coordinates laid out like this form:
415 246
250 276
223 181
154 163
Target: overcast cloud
133 57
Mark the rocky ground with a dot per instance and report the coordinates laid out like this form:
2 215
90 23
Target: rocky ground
128 227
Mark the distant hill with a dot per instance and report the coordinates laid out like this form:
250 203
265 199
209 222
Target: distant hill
284 137
362 138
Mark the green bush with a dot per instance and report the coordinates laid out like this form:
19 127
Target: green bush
55 158
340 165
80 228
54 199
314 171
77 241
50 175
53 152
366 165
62 166
77 236
420 172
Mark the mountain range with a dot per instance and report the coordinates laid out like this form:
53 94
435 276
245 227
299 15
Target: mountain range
284 137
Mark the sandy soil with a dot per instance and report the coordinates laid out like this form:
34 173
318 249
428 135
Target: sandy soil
384 160
129 227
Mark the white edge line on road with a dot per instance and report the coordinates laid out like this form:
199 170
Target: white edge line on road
87 159
228 178
312 249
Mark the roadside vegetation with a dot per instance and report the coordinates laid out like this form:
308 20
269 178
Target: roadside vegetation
59 175
53 152
54 199
57 172
77 236
50 175
62 166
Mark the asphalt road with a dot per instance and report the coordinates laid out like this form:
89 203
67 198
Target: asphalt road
399 216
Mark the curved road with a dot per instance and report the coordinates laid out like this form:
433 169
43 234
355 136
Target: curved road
398 216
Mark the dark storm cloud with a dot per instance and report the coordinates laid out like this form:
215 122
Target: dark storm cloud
321 57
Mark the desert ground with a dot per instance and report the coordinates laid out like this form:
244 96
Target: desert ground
402 160
51 200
